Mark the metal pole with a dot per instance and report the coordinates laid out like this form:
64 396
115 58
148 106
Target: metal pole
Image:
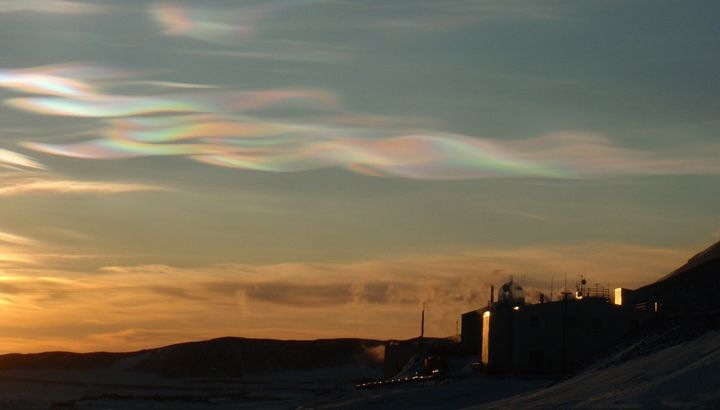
564 335
422 323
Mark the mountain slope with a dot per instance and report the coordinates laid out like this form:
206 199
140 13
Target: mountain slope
691 289
682 376
223 357
711 255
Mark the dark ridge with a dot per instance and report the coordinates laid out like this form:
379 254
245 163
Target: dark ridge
692 288
689 300
234 357
222 357
60 360
708 256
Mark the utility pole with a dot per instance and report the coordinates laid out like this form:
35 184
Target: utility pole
564 333
422 333
422 323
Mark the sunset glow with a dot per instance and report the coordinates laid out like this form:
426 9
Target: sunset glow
183 170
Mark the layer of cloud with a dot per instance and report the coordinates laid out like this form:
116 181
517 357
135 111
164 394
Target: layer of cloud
30 186
50 7
72 80
112 308
221 27
247 32
16 161
14 239
244 130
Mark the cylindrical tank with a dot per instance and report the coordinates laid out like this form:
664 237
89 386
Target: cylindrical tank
511 293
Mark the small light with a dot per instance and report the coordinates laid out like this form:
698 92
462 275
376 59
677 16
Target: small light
516 308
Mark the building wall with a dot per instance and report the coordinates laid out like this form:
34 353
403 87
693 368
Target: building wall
485 349
500 339
471 330
556 337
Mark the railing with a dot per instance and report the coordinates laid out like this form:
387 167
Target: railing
594 292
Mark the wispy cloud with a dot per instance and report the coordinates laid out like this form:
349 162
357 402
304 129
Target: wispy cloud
30 186
66 80
292 147
15 239
284 53
221 27
50 7
99 106
221 128
81 310
14 160
246 32
452 14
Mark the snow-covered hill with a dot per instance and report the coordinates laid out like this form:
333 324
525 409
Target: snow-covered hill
710 255
682 376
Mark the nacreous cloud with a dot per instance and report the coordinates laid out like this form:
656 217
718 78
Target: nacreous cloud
40 186
181 21
100 106
62 80
299 147
253 130
49 6
14 160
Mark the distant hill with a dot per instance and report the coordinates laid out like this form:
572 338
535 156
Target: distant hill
223 357
710 256
692 288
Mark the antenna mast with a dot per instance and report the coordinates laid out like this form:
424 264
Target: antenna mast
422 323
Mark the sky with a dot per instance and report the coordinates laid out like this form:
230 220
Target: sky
300 169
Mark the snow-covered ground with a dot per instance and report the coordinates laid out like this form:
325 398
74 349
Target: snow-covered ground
109 389
681 376
686 375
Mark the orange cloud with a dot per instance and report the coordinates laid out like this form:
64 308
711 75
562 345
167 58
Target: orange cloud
131 307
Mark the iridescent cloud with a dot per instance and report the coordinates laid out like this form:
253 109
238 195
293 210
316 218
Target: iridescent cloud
120 106
49 6
14 160
43 186
206 126
63 80
235 26
281 147
43 84
177 19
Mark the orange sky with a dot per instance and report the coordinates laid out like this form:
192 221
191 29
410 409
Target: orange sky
121 308
183 169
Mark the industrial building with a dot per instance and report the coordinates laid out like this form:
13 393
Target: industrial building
550 337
